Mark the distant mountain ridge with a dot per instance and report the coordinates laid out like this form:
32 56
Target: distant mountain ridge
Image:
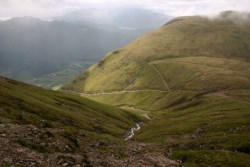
30 47
132 18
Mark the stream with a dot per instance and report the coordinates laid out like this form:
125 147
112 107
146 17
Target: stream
132 131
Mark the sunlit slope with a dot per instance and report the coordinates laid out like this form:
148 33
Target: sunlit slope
193 74
185 57
26 104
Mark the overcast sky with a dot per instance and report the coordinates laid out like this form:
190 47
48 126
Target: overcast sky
50 8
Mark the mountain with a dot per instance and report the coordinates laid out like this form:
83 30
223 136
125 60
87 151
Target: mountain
184 38
46 128
192 78
31 48
129 18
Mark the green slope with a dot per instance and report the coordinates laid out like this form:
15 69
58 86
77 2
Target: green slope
41 127
47 128
193 74
162 60
26 104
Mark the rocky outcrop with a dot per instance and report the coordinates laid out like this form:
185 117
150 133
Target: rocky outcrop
30 146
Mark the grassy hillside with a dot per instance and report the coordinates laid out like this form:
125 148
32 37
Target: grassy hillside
192 76
27 104
41 128
166 50
206 129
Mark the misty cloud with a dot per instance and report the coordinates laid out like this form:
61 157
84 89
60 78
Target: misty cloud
234 16
51 8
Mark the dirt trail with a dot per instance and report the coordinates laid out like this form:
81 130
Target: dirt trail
160 74
123 91
128 91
